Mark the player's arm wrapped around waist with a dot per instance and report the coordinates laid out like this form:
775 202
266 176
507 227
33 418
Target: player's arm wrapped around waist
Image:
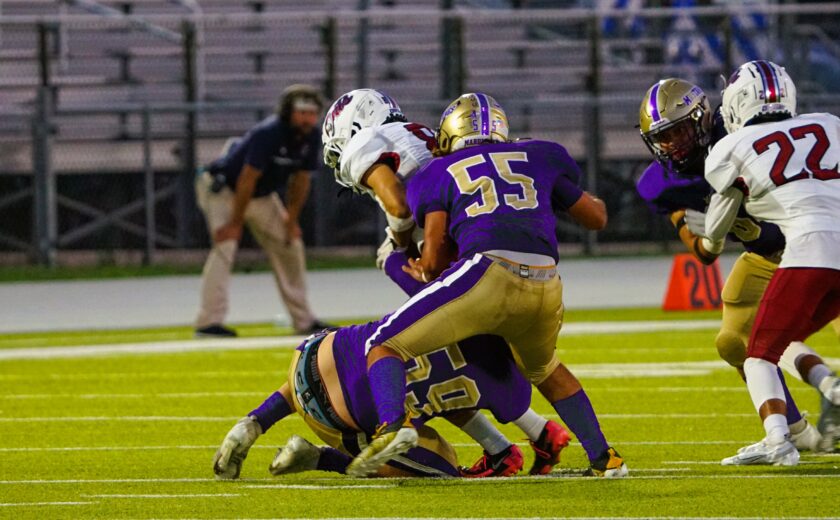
700 247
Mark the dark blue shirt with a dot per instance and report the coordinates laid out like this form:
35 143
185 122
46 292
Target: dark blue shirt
273 148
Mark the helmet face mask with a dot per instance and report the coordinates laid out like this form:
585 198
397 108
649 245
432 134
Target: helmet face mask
757 88
351 113
471 120
675 120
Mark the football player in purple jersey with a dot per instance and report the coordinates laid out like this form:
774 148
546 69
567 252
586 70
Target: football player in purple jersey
679 127
488 203
328 385
374 150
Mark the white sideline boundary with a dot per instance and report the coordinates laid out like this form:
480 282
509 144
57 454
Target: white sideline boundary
286 342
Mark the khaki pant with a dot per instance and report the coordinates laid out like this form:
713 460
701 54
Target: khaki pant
477 296
264 217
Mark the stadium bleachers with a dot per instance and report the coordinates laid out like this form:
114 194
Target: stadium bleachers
537 61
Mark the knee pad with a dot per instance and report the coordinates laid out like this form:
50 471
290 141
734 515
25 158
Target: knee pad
731 348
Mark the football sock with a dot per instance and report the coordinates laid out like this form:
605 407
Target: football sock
576 411
272 410
483 432
333 460
789 362
532 424
825 386
817 375
793 416
797 427
387 384
762 381
777 429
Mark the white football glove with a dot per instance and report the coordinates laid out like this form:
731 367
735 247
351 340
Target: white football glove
227 462
388 246
714 247
696 222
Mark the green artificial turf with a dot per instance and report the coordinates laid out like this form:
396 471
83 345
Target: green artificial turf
133 436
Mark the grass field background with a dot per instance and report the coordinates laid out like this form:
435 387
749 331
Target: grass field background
133 435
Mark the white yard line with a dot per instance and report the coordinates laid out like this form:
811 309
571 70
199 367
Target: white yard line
124 418
202 395
554 517
717 463
342 481
274 446
122 376
28 504
587 370
570 476
312 487
115 481
159 418
188 495
162 347
285 342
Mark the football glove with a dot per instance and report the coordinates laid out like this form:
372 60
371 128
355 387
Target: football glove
696 222
389 245
746 229
227 462
714 247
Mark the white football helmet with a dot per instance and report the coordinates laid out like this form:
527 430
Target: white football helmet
757 88
354 111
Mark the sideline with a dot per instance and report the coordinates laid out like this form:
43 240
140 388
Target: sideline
285 342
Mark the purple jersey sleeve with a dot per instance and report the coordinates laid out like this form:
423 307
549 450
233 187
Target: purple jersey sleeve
567 190
428 191
665 192
393 268
565 193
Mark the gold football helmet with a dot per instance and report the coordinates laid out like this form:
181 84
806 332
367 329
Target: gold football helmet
472 119
675 120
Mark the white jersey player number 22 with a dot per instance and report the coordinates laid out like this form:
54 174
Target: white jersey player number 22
786 142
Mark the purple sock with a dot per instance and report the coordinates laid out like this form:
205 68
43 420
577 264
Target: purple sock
576 411
793 415
272 410
387 384
333 460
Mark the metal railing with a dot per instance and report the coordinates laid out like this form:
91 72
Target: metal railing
572 75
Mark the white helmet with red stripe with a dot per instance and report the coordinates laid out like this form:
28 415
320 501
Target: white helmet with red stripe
757 88
354 111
